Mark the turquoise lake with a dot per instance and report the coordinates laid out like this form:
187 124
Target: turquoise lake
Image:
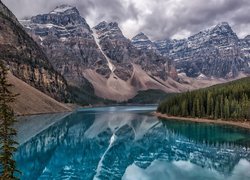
128 142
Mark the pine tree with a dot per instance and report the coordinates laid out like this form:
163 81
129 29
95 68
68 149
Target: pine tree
221 107
193 109
226 109
198 108
7 132
245 106
229 101
216 110
212 108
209 106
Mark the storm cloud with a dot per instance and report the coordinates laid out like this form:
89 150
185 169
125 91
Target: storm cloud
159 19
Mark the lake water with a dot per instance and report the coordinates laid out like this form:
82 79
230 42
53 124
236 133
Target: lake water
129 143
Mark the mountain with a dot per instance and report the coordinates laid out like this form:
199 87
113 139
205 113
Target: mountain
142 42
32 101
216 52
102 58
67 40
122 53
230 101
245 49
26 60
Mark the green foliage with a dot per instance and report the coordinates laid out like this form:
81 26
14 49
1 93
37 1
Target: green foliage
7 132
149 97
224 101
86 95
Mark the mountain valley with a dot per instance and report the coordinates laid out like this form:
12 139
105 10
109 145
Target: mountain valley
72 62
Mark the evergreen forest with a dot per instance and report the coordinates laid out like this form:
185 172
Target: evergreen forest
229 101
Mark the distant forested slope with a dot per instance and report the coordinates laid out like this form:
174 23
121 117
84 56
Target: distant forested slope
151 96
224 101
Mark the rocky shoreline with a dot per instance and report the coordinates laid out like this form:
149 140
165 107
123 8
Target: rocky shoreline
241 124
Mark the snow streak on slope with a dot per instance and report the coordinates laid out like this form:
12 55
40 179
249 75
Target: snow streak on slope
100 164
110 65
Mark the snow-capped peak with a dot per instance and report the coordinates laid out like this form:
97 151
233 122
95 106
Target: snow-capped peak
223 24
140 36
111 26
62 8
247 37
142 42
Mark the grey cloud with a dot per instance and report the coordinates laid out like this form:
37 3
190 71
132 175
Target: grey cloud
23 8
194 16
168 18
109 10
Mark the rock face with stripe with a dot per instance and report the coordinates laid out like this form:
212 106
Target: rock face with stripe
67 39
101 57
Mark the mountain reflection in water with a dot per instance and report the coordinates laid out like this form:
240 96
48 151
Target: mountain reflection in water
130 143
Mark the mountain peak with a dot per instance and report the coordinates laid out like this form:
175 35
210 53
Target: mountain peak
247 37
221 30
140 36
103 23
64 8
142 42
223 24
113 24
62 15
106 25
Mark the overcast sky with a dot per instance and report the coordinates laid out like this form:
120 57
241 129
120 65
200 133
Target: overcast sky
159 19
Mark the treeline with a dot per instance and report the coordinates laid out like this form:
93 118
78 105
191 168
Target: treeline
151 96
7 132
225 101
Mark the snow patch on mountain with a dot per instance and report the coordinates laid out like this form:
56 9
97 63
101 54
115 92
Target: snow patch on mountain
61 9
214 52
202 76
110 65
142 42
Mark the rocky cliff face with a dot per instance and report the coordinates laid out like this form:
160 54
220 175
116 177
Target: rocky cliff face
25 58
122 51
142 42
216 52
116 48
67 39
101 56
245 51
